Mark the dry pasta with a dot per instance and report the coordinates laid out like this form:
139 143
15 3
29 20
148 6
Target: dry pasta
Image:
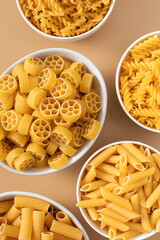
29 218
123 203
44 118
65 18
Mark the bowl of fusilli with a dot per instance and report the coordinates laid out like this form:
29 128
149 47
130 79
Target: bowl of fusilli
65 20
137 81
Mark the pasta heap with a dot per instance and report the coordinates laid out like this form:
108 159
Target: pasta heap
47 110
140 82
66 18
33 218
120 190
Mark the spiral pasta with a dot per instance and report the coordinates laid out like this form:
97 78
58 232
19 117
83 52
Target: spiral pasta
139 82
44 110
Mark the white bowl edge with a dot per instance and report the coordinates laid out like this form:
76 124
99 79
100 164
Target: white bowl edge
118 75
74 56
78 193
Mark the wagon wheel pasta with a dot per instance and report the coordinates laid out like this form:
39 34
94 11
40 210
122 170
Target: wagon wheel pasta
44 113
139 82
118 200
90 129
65 19
8 84
92 101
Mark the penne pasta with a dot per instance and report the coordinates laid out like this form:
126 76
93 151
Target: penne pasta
92 186
154 217
127 235
142 198
128 195
91 203
105 176
109 169
113 159
156 158
153 197
158 225
92 213
156 174
148 187
135 203
122 168
112 213
137 227
112 233
89 176
97 193
145 219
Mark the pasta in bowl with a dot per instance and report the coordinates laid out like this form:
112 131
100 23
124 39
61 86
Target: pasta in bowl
137 82
32 216
65 20
118 191
51 111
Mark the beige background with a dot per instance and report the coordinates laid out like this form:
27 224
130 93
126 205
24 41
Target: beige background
128 21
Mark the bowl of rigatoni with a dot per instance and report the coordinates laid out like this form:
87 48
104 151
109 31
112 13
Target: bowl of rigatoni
118 191
26 215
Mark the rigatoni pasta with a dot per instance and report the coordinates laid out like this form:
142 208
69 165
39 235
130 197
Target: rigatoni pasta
120 191
46 113
32 218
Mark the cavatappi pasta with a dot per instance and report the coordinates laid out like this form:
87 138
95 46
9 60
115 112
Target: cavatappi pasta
48 111
32 218
120 190
139 83
67 18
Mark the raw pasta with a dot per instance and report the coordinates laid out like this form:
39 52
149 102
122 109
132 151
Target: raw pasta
118 200
65 18
44 117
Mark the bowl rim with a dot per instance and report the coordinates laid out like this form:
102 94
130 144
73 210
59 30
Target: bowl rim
53 202
78 193
104 95
74 38
118 71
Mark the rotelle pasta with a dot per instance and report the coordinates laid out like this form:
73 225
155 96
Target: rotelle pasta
139 82
47 111
124 203
66 18
30 218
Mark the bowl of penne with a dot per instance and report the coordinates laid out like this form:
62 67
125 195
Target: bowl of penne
137 82
51 111
65 20
32 216
118 191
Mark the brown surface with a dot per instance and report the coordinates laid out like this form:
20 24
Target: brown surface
128 21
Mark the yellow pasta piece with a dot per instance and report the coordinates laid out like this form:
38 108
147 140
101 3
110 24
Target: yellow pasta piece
2 110
66 230
24 161
49 108
40 130
135 203
18 139
112 232
12 214
23 82
36 151
127 235
38 224
137 227
42 163
31 202
86 83
70 110
46 79
91 129
24 124
33 81
92 213
79 67
148 187
17 69
89 116
72 76
77 139
61 136
109 169
26 224
47 236
62 89
5 206
48 219
9 231
3 133
35 97
21 104
55 63
112 213
68 150
93 102
100 202
59 121
57 160
10 120
33 65
67 64
5 148
145 219
51 148
17 222
83 107
74 93
153 197
12 155
6 101
92 186
122 168
63 217
8 84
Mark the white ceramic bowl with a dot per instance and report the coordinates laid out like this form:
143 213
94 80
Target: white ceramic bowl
11 195
98 83
84 35
141 39
92 223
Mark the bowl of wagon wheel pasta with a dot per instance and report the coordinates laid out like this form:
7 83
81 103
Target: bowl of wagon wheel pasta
51 111
118 191
137 82
66 20
26 215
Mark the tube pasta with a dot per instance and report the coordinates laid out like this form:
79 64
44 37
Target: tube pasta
17 222
47 236
63 217
91 203
48 219
38 224
122 168
109 169
92 213
92 186
5 206
112 213
9 231
105 176
3 220
26 224
12 214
